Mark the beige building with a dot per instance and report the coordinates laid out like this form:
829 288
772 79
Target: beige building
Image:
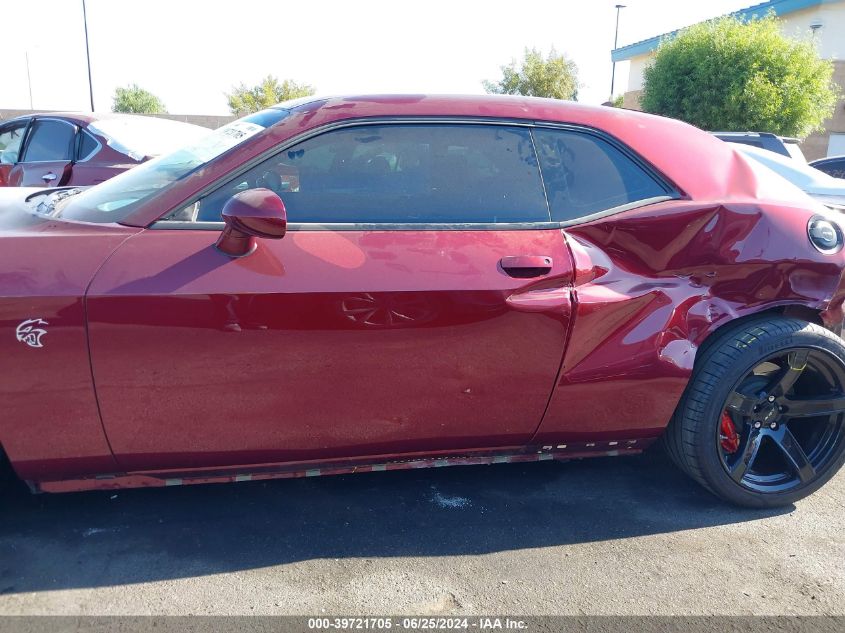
823 20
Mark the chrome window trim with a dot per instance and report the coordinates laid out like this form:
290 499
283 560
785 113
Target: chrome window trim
637 204
185 225
672 193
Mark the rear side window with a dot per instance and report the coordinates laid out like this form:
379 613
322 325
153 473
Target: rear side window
585 174
835 168
87 145
402 173
50 140
10 142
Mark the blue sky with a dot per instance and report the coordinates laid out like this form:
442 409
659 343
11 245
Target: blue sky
189 52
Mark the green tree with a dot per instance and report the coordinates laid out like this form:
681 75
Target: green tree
554 76
243 100
135 99
731 75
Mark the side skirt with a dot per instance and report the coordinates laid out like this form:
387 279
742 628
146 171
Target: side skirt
147 479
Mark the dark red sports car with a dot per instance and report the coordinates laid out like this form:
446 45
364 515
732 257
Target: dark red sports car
68 148
462 280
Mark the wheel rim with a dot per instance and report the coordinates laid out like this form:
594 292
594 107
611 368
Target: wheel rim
782 424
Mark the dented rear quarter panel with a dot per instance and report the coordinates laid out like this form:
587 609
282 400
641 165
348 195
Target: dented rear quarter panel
652 284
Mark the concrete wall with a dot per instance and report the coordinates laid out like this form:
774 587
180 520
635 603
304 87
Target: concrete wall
205 120
636 71
631 100
830 37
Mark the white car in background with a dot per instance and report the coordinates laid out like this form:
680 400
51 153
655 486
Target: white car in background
826 189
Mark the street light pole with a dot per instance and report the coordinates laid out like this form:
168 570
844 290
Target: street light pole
28 78
619 8
88 55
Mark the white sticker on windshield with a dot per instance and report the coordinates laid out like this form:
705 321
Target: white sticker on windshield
223 139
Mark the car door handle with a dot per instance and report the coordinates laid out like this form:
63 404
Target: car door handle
48 177
526 265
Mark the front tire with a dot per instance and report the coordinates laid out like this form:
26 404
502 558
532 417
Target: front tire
762 421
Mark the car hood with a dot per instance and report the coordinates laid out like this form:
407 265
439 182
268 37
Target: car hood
43 256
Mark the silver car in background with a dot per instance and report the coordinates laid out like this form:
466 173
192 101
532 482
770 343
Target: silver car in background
826 189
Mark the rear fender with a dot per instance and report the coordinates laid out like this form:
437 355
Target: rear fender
653 284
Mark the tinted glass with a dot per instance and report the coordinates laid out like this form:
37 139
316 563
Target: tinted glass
585 174
50 140
835 168
10 142
423 173
87 146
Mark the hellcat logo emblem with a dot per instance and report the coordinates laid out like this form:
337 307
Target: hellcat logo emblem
28 332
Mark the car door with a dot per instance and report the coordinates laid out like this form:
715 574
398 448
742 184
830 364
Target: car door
11 138
47 156
418 303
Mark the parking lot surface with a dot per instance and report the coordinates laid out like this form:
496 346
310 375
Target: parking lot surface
604 536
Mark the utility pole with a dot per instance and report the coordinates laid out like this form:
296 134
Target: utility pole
28 79
619 8
88 55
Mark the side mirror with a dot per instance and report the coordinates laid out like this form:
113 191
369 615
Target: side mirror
250 214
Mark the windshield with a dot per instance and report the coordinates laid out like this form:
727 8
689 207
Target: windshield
115 199
139 136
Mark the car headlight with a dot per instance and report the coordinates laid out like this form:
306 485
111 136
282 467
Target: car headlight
825 235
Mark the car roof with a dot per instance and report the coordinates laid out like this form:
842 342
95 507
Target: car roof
828 159
82 118
494 106
654 138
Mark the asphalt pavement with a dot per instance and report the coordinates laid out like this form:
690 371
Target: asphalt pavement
613 536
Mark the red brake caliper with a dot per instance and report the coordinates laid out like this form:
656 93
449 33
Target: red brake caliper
728 437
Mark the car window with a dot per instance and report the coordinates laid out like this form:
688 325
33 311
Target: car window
401 173
10 142
585 174
835 168
50 140
87 145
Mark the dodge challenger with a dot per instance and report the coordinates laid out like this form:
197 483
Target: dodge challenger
357 284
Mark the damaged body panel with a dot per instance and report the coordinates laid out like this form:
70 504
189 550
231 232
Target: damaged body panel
651 286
